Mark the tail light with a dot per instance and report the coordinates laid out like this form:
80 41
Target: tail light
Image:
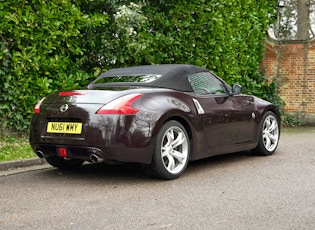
121 106
37 106
71 93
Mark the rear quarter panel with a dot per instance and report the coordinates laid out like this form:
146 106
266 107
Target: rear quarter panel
172 105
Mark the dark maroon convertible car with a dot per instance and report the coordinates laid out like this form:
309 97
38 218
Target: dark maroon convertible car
161 116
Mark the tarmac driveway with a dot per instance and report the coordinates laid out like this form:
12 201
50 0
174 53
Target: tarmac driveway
236 191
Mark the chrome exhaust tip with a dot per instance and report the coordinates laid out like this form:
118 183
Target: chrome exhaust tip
95 158
40 154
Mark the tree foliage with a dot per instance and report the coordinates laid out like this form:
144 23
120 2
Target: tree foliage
226 37
41 52
48 46
296 20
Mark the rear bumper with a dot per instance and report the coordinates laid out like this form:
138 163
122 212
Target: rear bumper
113 138
138 155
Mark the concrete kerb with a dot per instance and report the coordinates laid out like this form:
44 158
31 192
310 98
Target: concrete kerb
21 163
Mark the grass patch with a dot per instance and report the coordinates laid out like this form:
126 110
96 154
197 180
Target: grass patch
15 148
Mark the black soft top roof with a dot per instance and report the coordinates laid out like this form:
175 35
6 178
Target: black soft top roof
173 76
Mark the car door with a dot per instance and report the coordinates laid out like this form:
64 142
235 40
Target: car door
226 119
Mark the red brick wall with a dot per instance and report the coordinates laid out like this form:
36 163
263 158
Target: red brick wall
292 65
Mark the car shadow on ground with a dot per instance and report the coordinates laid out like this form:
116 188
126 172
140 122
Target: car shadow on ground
99 171
133 171
225 160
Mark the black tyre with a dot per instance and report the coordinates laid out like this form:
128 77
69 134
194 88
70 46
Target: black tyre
269 135
62 163
172 152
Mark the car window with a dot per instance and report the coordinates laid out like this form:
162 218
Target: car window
128 79
206 83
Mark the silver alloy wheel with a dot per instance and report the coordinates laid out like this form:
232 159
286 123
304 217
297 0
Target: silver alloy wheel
270 133
174 149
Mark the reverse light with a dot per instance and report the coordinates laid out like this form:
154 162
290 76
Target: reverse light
71 93
121 106
37 106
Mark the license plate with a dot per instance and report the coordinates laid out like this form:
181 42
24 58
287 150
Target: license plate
64 127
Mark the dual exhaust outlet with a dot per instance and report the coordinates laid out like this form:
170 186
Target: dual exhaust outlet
94 158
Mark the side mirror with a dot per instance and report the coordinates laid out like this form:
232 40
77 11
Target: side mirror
236 89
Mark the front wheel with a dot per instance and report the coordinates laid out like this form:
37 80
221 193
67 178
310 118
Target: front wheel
172 151
269 135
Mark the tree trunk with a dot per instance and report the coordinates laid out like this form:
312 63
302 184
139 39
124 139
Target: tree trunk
303 19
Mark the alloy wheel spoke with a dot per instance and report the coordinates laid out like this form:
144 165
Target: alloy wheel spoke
168 139
269 135
170 135
267 122
267 142
273 126
265 133
272 137
179 140
178 156
171 163
165 152
168 159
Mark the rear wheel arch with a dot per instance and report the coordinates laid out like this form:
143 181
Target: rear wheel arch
184 123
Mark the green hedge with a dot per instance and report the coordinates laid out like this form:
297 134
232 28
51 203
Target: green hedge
226 37
41 51
58 44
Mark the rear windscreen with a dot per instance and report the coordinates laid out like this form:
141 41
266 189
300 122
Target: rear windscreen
135 78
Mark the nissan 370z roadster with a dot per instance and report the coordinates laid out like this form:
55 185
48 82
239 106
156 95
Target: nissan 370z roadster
161 116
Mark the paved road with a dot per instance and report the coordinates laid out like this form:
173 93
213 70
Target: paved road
237 191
